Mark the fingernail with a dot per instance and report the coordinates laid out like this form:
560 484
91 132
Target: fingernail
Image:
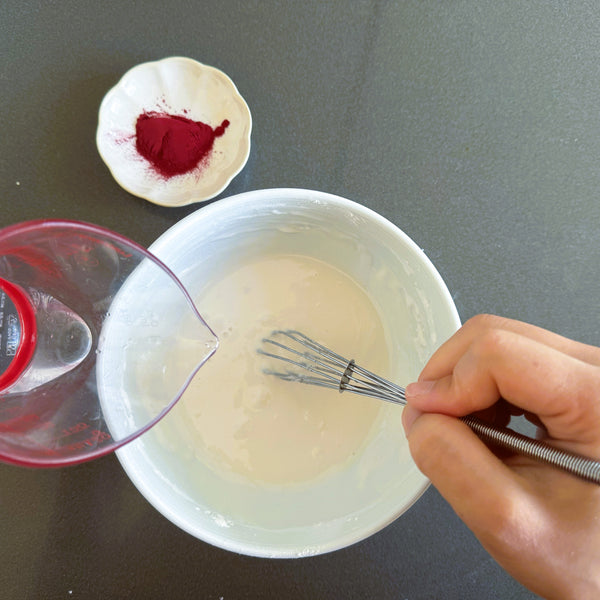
419 388
409 416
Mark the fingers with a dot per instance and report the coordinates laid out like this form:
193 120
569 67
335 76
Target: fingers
442 362
460 466
539 379
537 371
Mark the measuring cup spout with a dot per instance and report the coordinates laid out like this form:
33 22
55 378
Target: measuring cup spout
150 348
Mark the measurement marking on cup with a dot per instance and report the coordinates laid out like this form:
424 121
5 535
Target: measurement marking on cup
96 438
73 429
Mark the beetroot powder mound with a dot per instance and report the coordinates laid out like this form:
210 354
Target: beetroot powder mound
174 145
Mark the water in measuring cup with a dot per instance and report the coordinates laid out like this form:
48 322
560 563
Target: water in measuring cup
62 342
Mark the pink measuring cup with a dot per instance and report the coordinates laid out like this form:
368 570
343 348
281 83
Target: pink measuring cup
98 340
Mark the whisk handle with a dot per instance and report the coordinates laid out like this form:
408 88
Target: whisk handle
583 467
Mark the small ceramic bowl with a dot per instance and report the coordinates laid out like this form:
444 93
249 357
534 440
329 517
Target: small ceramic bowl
190 92
379 483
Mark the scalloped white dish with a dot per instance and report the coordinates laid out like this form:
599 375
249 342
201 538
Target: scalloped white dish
183 92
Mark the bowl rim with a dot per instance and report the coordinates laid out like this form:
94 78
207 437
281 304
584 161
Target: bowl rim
175 232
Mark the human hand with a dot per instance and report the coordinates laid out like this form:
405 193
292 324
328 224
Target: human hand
540 523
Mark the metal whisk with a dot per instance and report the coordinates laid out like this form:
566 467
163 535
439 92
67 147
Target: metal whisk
312 363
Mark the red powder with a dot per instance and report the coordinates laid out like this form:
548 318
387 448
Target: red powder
173 144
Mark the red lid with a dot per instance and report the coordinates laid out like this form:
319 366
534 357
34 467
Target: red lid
18 332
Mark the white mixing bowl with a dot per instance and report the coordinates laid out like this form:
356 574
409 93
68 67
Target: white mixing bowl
380 483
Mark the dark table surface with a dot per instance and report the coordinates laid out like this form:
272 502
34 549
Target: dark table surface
472 125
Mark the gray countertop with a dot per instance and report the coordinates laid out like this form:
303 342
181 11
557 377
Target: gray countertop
472 125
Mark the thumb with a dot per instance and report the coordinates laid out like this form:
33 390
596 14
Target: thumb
472 479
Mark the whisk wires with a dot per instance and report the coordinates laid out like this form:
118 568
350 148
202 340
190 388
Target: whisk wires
316 364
